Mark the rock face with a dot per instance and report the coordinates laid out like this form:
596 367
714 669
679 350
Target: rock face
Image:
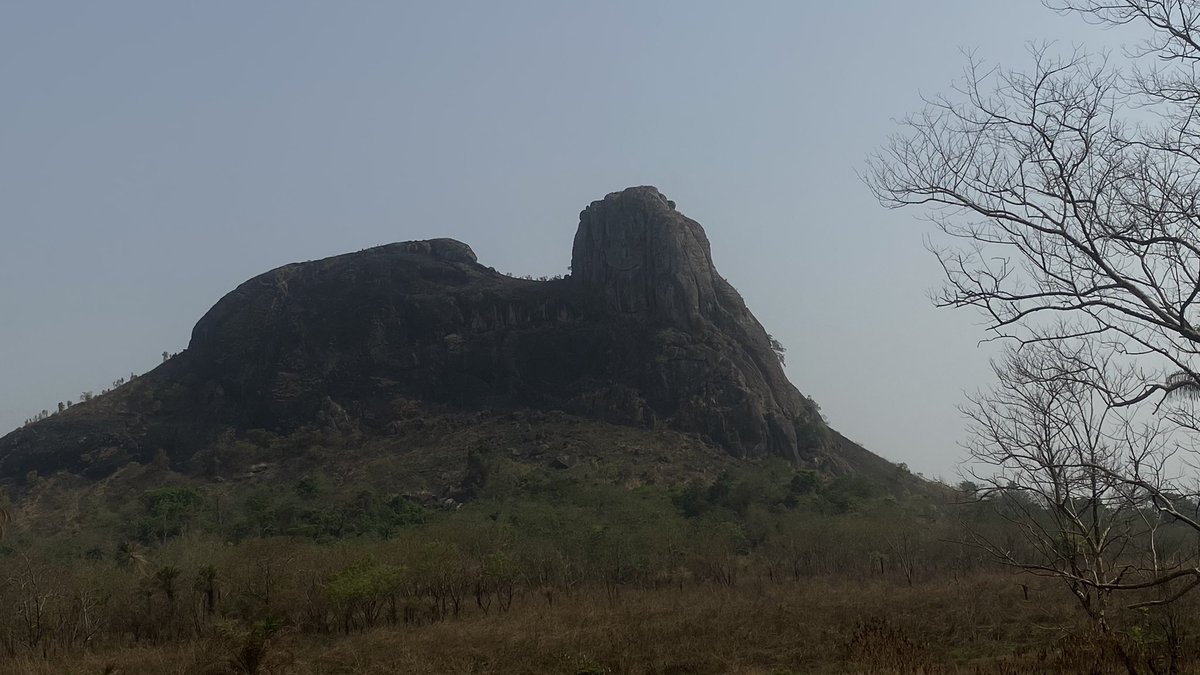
645 258
644 332
713 369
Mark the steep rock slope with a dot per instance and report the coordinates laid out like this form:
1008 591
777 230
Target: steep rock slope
644 332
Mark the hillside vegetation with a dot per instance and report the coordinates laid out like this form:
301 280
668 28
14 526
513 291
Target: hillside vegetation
554 562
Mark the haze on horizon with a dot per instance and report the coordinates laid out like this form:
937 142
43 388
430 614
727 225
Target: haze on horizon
153 157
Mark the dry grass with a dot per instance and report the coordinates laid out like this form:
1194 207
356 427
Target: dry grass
982 625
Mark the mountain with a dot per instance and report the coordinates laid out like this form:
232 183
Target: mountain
643 334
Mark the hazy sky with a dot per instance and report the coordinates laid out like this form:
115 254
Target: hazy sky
154 155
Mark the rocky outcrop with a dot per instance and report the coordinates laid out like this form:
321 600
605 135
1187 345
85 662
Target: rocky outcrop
714 369
645 258
643 332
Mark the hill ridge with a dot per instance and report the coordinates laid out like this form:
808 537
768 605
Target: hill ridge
644 332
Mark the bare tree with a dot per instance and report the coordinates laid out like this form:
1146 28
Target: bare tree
1079 482
1067 197
1059 462
1070 196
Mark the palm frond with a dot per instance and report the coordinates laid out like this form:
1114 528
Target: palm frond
1183 384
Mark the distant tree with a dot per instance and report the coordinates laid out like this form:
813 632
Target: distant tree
479 468
5 516
166 577
61 406
131 554
166 355
778 348
205 584
161 461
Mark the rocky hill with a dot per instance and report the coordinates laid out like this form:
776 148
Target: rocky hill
644 333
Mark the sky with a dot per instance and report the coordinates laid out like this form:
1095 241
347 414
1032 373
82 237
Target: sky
155 155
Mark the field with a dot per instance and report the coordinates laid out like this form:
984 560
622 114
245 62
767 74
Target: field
753 568
982 624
